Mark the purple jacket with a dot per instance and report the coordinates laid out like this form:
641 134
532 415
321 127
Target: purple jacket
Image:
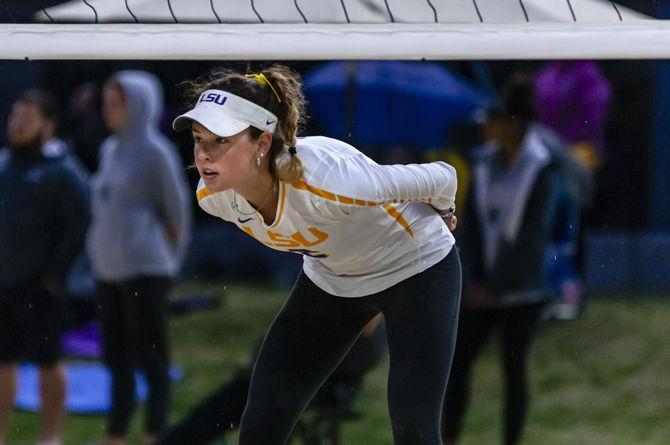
573 98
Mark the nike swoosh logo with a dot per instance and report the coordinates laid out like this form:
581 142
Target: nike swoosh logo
243 221
268 122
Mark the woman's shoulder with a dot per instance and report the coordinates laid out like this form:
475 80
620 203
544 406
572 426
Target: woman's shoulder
329 163
323 146
214 203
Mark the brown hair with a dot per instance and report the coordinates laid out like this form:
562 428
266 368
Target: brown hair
43 100
283 97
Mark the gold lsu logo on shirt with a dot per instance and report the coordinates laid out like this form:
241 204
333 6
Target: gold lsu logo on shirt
297 242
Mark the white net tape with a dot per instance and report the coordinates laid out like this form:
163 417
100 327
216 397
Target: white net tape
318 30
319 42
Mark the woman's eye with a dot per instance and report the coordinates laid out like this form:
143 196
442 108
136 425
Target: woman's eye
197 140
221 140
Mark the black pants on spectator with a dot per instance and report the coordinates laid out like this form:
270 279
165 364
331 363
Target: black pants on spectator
518 325
31 321
314 330
134 328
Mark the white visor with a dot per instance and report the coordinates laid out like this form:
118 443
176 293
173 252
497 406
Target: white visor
226 114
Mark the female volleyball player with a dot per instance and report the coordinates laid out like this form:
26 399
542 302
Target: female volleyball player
373 239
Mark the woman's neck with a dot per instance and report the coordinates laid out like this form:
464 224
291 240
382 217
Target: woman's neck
263 194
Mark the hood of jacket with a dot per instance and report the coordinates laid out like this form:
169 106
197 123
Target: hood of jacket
144 101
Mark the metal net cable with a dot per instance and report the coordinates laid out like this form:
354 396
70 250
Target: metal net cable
211 5
434 10
253 6
94 10
131 12
479 14
344 8
295 2
389 11
523 8
572 11
44 10
172 12
616 8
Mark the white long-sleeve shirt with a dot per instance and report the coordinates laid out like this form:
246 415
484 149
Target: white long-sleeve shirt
360 226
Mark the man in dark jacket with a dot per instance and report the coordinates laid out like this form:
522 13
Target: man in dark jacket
508 221
43 219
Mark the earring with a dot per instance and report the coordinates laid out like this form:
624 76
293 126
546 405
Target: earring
259 158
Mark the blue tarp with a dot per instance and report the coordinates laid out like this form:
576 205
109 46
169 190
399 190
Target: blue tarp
390 103
88 385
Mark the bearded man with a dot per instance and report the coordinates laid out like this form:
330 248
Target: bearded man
43 219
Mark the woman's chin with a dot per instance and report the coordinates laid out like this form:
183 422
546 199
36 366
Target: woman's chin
214 184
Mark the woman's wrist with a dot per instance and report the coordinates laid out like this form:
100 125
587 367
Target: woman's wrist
445 212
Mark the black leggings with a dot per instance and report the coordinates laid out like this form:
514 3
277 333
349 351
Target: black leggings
314 330
222 410
518 325
134 319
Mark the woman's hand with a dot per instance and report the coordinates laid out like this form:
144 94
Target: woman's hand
450 220
449 217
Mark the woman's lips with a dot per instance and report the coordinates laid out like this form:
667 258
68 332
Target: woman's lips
209 174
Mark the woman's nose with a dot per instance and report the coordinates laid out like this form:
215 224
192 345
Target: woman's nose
201 154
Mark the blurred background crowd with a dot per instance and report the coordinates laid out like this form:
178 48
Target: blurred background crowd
610 113
565 161
596 121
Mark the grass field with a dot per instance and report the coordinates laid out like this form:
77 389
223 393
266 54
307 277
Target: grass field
602 379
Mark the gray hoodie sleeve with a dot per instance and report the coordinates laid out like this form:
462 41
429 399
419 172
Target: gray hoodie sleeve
170 195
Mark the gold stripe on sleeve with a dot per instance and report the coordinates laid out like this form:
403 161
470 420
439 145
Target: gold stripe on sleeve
392 211
302 185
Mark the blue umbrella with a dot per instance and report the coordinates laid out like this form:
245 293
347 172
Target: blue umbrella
386 103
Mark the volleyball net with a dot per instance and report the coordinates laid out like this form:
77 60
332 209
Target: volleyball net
336 29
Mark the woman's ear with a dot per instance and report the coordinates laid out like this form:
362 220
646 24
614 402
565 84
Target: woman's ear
265 141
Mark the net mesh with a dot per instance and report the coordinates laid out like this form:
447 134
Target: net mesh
335 11
336 29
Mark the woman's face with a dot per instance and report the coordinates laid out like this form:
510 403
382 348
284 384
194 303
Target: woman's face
114 108
224 162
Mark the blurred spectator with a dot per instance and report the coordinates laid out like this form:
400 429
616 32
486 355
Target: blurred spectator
506 229
43 220
564 277
54 146
458 143
573 98
83 124
138 237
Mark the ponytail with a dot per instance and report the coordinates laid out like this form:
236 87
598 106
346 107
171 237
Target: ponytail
286 84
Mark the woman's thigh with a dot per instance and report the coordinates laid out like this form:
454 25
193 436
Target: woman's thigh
308 338
421 320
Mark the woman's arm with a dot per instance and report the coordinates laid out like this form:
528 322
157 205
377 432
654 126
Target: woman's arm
370 184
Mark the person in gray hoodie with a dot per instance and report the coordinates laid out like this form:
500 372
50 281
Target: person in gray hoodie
139 231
